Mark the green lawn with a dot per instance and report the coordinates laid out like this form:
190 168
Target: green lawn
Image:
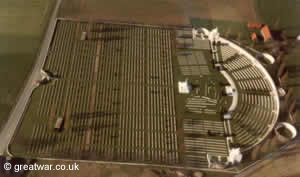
22 25
280 14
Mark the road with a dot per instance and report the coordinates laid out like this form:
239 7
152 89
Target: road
17 113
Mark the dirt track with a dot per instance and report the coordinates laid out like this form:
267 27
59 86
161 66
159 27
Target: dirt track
159 11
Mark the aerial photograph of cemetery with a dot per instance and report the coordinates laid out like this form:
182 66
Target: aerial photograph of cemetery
157 88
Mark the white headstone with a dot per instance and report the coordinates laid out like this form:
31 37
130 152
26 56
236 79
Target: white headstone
227 116
229 90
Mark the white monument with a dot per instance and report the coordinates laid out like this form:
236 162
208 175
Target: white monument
214 35
229 90
268 58
184 87
235 156
289 128
205 31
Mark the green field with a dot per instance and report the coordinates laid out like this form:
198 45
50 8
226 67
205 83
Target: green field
23 23
158 11
279 14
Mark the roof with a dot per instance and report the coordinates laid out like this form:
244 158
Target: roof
254 25
253 36
265 31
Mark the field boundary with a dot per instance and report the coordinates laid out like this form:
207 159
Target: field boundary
127 23
142 164
44 32
16 115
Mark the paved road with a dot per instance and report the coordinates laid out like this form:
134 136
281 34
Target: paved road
17 112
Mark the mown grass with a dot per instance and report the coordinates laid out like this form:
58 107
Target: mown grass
22 25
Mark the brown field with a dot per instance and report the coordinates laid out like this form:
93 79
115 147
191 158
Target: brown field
159 11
